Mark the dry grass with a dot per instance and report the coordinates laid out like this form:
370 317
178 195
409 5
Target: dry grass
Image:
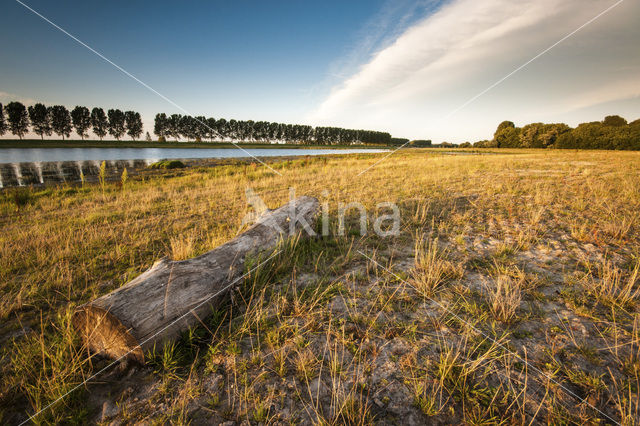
504 294
612 285
432 268
531 255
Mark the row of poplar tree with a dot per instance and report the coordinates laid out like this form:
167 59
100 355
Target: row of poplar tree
199 128
57 119
46 120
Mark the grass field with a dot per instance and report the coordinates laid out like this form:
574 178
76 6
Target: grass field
509 297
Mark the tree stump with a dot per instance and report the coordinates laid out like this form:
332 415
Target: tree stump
172 296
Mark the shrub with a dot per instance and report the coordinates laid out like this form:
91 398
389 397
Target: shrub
168 164
21 197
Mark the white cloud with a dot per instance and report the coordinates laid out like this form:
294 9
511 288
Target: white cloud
442 61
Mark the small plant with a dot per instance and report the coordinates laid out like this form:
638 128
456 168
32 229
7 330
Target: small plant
261 412
305 365
181 248
280 362
124 177
102 175
166 360
21 197
504 297
431 269
427 400
612 287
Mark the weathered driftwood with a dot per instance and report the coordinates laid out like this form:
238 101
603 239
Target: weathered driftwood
152 307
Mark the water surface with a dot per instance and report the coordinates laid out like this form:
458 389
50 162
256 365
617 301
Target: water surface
20 155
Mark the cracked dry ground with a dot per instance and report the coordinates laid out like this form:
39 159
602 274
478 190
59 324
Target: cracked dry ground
509 297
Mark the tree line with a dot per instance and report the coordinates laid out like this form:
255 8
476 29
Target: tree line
46 120
611 133
200 128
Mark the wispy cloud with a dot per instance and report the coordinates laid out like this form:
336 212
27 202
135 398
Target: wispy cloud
376 34
444 59
380 31
6 97
619 90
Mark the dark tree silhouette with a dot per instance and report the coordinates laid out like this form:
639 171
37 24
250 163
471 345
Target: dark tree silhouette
133 124
99 122
173 126
211 131
116 123
3 123
81 119
40 120
18 118
160 126
60 120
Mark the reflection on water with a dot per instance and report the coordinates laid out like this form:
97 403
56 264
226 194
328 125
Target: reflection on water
42 166
20 155
52 172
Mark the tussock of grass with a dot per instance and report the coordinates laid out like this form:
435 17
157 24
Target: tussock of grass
432 268
504 297
612 286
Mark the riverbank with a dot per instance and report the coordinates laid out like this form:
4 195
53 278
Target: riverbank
73 173
509 295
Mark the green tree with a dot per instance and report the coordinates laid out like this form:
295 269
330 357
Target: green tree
507 135
160 126
18 118
232 129
221 128
99 122
173 126
133 124
60 120
186 127
201 128
614 121
551 133
81 119
211 131
40 120
116 123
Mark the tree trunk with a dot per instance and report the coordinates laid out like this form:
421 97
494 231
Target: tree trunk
172 296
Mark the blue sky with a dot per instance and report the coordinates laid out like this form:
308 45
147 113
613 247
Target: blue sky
398 65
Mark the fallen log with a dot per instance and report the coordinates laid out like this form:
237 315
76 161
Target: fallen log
172 296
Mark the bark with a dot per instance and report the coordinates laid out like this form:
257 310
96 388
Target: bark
172 296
